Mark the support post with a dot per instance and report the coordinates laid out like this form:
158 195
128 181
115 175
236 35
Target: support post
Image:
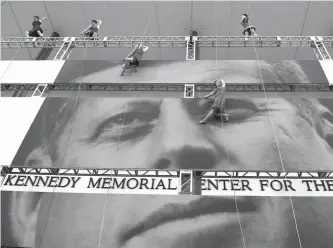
319 48
191 44
66 49
186 182
189 91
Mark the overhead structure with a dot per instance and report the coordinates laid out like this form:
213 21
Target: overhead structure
188 89
66 44
163 182
191 43
166 41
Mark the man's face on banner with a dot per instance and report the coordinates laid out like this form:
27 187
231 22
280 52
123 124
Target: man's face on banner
165 134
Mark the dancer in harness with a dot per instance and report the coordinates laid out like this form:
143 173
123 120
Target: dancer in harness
134 58
217 109
36 30
249 30
92 30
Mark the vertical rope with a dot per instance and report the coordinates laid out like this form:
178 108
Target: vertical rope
18 25
306 14
69 137
230 21
276 139
191 15
222 124
48 15
158 29
118 141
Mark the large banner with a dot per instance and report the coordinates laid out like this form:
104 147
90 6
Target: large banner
198 71
164 134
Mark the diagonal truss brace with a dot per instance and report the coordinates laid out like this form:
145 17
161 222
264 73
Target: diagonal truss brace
320 49
66 49
40 90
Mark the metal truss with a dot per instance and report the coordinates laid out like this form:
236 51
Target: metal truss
320 49
67 44
65 50
40 90
166 41
101 42
189 180
262 41
170 87
87 172
189 91
191 47
186 182
45 42
161 172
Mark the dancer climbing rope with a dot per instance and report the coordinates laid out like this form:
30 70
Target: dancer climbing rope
134 58
92 30
217 109
249 30
36 30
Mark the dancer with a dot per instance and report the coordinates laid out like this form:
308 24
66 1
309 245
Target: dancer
92 30
218 105
36 30
249 30
134 58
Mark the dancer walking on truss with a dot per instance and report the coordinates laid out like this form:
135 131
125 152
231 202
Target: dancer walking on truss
249 30
134 58
217 109
36 30
92 30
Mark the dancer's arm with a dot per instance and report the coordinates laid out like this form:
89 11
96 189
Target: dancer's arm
43 19
210 94
131 54
99 23
86 30
242 20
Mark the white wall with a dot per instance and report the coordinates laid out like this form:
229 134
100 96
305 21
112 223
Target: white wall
16 115
31 72
328 69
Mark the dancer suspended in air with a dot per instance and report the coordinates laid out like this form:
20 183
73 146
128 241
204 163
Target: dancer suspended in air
92 30
217 109
134 58
249 30
36 30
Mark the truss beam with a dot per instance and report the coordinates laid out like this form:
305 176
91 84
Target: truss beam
165 41
190 181
191 47
5 169
171 87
